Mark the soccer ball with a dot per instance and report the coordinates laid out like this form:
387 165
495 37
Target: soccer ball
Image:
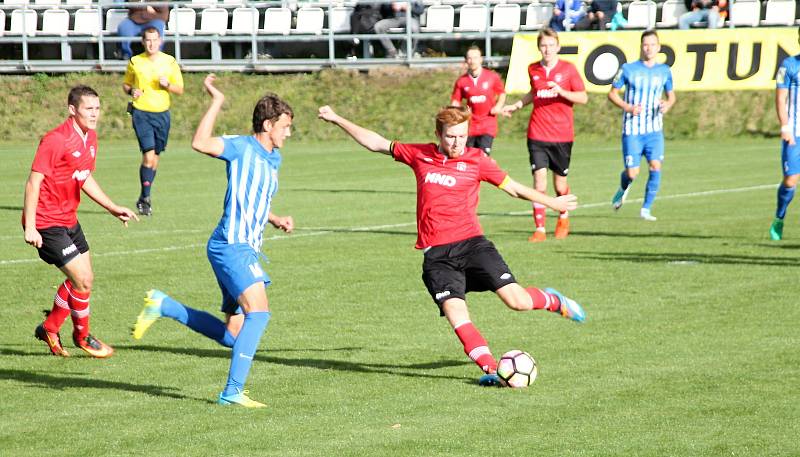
517 369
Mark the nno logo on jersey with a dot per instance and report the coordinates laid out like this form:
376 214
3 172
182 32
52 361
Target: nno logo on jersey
81 175
546 93
438 178
475 99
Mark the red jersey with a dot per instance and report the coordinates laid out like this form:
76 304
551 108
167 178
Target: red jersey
551 118
66 161
447 191
481 94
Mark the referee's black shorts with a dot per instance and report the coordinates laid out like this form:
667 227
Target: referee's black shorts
471 265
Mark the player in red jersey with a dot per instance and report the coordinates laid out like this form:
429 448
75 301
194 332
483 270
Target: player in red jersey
555 87
485 94
61 169
458 258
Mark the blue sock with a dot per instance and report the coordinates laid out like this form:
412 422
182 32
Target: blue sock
653 181
199 321
624 180
244 349
146 178
785 195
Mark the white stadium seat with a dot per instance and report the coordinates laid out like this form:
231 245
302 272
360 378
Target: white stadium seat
506 17
671 10
17 22
204 3
79 3
746 12
439 19
642 15
213 21
46 3
2 22
472 18
15 2
277 21
780 12
309 21
87 22
55 22
537 16
181 20
339 19
244 21
114 17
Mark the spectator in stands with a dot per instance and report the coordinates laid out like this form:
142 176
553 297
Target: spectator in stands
600 13
397 17
140 18
711 11
151 78
362 21
566 14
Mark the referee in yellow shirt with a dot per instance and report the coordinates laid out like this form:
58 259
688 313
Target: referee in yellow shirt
150 79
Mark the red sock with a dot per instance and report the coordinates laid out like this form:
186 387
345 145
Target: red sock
476 347
544 300
79 304
563 213
60 310
539 215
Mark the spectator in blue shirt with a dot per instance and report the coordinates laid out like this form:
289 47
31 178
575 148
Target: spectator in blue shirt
566 14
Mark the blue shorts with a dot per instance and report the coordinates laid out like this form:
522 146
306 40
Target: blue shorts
237 267
790 158
152 130
651 145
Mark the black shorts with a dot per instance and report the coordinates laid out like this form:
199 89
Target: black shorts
152 130
482 142
546 154
62 244
472 265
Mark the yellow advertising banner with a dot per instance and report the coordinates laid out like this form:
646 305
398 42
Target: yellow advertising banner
721 59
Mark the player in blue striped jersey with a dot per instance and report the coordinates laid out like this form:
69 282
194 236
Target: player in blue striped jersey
234 248
646 82
787 103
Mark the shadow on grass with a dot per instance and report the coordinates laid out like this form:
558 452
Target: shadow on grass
83 211
414 370
355 191
639 235
52 381
10 208
779 245
682 257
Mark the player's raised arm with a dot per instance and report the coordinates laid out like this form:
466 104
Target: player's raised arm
563 203
365 137
202 140
93 190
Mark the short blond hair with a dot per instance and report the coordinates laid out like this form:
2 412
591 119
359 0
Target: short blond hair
547 31
452 115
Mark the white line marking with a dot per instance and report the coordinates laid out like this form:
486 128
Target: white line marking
315 231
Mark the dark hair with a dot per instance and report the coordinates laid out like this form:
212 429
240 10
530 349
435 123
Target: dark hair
75 94
269 108
647 33
474 47
150 30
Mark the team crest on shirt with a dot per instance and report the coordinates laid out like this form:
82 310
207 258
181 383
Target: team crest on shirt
656 81
557 78
535 77
461 166
485 85
466 89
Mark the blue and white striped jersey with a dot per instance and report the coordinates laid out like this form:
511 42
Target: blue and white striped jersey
788 78
643 86
252 182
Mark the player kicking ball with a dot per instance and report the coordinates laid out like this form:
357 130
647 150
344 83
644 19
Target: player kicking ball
234 249
458 258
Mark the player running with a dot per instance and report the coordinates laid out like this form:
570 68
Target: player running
62 168
787 103
485 94
234 248
645 82
555 87
457 257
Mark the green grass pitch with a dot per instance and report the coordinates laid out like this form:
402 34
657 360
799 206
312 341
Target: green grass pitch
690 348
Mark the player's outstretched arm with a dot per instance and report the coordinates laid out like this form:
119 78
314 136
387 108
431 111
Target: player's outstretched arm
202 140
562 203
365 137
93 190
285 223
32 189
